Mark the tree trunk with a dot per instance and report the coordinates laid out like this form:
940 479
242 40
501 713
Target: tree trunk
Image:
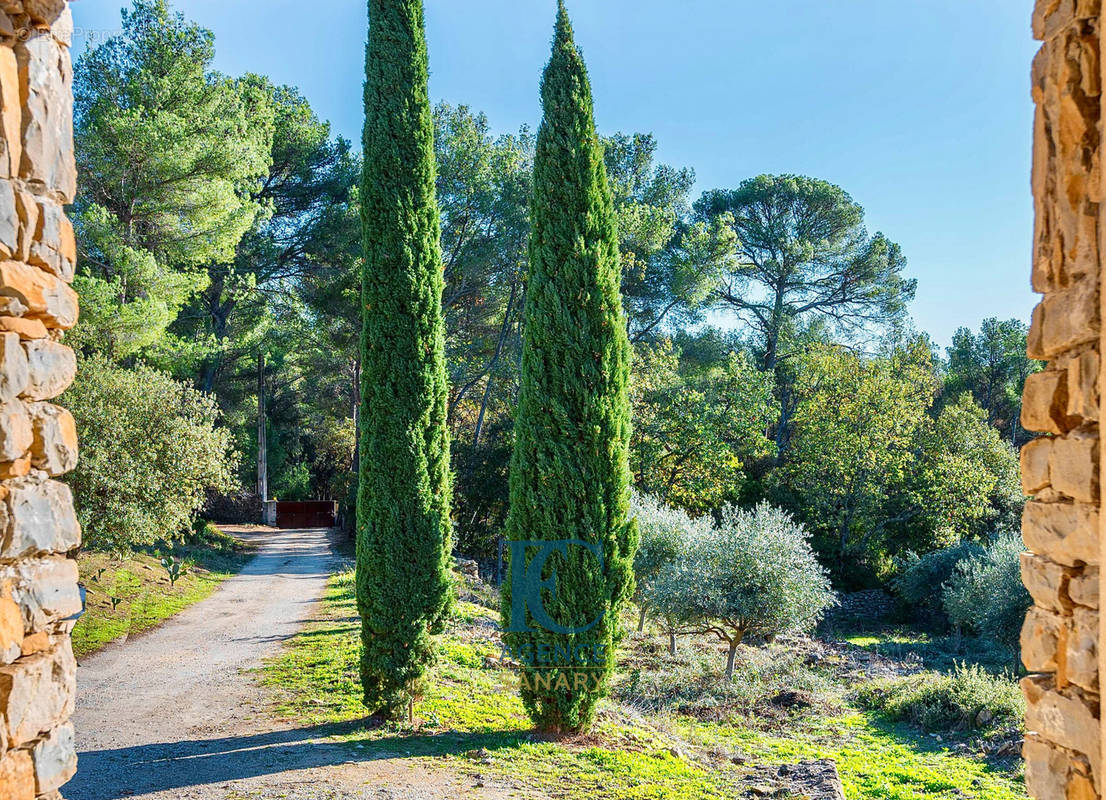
493 365
730 658
671 643
641 621
220 315
262 439
499 561
775 328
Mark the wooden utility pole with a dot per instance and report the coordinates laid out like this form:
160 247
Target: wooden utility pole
262 437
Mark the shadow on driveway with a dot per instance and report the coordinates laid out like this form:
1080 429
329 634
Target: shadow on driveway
167 766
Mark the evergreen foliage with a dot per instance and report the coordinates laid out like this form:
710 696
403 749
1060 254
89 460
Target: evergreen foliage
403 531
570 477
151 448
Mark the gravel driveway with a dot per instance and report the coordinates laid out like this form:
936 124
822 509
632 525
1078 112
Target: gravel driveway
174 713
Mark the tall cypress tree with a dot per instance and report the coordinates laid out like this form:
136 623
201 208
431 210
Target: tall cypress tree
403 526
570 476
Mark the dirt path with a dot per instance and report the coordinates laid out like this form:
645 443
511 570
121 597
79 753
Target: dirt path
175 713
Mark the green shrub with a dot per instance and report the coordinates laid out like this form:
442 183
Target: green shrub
776 678
150 449
985 594
969 698
752 574
921 580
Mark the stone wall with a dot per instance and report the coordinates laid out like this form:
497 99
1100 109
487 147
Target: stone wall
38 529
1060 471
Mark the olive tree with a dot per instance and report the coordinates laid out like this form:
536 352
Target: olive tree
665 533
754 573
921 579
985 594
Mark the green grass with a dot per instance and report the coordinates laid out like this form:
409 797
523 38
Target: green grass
472 723
141 586
876 759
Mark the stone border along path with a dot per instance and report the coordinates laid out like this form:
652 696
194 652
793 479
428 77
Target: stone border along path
176 712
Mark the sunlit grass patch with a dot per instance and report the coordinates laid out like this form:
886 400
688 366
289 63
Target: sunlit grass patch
877 760
472 721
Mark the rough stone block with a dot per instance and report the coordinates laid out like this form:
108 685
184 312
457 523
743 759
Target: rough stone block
1081 787
9 221
47 591
1047 582
52 367
11 626
1052 17
1083 392
44 12
42 519
1046 770
54 450
1066 533
17 776
1067 720
46 297
1044 404
1069 317
1044 641
20 468
16 433
54 247
1034 462
11 115
1083 588
10 307
26 206
36 694
35 643
62 28
1043 281
46 80
24 328
14 372
1082 650
55 759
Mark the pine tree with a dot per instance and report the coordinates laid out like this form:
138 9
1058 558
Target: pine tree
570 475
403 526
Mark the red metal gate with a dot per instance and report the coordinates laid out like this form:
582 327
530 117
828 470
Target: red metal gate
307 515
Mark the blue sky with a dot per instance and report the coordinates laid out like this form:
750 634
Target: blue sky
919 108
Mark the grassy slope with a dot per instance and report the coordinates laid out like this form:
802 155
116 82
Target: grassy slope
142 585
473 721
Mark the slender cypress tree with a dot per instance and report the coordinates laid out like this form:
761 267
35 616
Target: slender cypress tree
570 476
403 525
